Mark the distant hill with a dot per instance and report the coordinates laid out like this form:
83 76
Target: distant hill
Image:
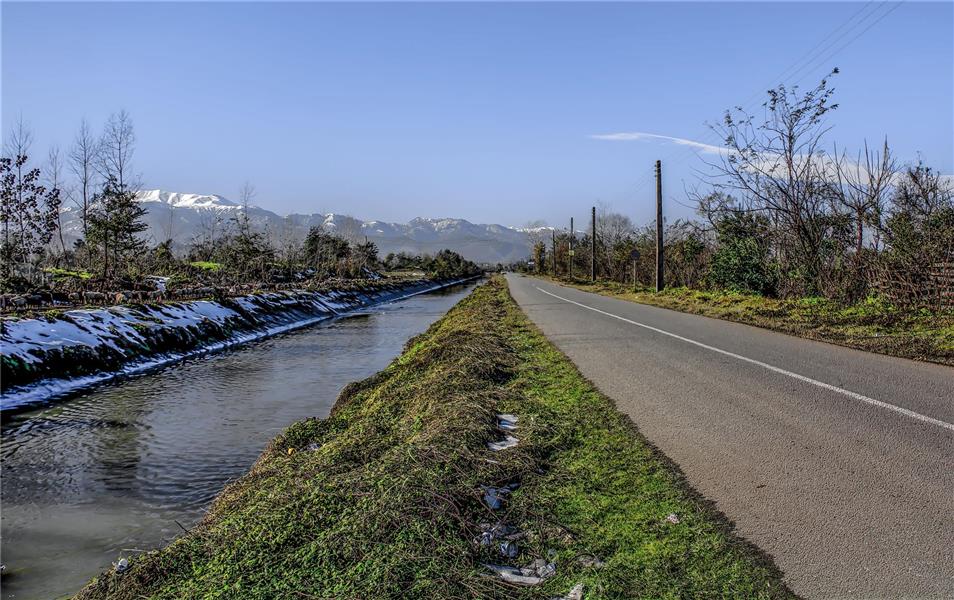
186 217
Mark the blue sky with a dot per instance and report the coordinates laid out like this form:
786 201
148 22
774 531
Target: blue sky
479 111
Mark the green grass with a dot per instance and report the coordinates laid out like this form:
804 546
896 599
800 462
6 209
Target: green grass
59 273
872 325
206 265
383 500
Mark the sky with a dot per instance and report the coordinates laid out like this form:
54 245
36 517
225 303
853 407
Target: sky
492 112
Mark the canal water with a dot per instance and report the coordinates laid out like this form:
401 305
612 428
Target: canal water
125 467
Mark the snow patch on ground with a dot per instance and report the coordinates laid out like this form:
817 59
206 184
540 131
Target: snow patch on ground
21 338
119 327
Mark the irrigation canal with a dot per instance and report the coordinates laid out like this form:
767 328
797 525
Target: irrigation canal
118 469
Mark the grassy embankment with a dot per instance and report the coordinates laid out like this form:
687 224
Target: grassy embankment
871 325
384 498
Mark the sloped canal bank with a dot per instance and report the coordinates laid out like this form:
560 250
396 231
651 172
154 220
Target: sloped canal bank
110 472
56 355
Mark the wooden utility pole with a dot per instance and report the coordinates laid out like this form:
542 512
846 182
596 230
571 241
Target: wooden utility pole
570 253
553 247
660 280
593 248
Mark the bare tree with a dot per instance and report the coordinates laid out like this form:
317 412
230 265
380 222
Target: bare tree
777 168
54 181
82 157
349 228
20 139
288 243
615 241
246 195
116 150
612 228
863 186
537 232
17 148
923 192
212 227
169 230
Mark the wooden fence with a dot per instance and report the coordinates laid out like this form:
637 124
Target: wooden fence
932 288
942 275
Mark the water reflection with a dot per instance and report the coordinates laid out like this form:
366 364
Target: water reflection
117 470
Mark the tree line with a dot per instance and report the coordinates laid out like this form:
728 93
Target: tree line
102 189
95 178
781 215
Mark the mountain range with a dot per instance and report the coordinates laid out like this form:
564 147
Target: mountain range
184 218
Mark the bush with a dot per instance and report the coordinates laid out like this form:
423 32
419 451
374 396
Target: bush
446 264
742 262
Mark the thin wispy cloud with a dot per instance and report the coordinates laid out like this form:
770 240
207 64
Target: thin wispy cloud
769 164
637 136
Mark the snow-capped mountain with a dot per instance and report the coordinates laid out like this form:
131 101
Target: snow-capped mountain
179 200
187 217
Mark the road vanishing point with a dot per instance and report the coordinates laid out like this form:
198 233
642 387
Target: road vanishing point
838 463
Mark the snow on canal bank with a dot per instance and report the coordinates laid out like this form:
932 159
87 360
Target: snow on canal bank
46 358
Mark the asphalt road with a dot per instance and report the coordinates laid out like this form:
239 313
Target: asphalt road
838 463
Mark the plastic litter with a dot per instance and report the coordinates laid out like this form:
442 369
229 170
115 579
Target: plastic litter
494 497
672 518
543 569
533 574
507 422
121 565
491 533
509 549
507 442
514 575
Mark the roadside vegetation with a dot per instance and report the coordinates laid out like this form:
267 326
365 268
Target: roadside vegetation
872 324
854 249
397 494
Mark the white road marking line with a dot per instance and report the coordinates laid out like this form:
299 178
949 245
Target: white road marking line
821 384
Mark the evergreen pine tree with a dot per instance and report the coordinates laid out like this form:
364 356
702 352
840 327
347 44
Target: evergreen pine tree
114 226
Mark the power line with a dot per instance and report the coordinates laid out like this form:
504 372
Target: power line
805 57
809 61
850 41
